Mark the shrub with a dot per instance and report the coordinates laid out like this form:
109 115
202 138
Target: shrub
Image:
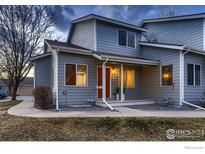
43 97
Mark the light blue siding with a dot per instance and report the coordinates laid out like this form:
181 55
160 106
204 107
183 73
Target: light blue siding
83 34
185 32
151 88
194 93
107 40
43 71
77 95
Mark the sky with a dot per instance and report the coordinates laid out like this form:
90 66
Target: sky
131 14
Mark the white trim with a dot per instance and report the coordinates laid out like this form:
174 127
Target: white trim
40 56
126 46
161 85
181 77
76 65
121 87
92 16
203 33
194 16
95 35
127 60
194 74
162 45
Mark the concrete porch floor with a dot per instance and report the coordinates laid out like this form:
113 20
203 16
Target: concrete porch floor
125 103
26 109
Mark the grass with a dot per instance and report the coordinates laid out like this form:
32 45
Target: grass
14 128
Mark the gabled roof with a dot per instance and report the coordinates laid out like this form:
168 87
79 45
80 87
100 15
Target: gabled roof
173 46
54 44
104 19
182 17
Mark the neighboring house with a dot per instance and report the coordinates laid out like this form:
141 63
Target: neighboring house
104 59
24 89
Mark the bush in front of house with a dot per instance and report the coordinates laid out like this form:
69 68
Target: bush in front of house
43 97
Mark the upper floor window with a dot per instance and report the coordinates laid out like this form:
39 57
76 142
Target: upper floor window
167 75
131 39
193 74
126 38
122 37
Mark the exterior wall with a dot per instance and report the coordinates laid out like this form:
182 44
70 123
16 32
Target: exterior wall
83 34
194 93
77 95
43 71
185 32
107 40
151 78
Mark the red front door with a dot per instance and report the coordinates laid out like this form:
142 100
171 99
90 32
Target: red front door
100 82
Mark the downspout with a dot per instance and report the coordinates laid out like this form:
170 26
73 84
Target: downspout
182 75
57 103
104 84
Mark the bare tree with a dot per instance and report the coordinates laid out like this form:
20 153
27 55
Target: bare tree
169 13
22 31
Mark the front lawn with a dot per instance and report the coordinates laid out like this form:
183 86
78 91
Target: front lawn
14 128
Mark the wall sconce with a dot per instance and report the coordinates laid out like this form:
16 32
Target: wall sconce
166 75
114 72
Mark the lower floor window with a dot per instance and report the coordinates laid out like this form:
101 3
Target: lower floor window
129 78
167 75
76 74
193 74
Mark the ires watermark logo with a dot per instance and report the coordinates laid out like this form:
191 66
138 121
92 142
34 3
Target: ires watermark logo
177 133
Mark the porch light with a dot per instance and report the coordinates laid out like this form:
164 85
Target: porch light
114 72
166 75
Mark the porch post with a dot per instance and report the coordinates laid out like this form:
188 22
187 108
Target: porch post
121 85
104 81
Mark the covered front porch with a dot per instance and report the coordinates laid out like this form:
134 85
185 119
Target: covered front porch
119 81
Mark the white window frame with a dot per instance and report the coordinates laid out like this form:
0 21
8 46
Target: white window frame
126 46
161 85
194 75
76 65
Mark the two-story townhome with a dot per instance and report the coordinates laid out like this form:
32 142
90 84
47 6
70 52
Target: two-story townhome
105 60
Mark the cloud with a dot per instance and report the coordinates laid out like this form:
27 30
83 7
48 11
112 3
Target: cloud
63 16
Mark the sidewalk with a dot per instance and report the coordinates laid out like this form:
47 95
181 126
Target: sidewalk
26 109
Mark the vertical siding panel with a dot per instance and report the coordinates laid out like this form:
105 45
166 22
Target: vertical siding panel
185 32
43 71
107 40
83 34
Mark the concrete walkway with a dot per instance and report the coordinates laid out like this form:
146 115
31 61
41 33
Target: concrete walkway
26 109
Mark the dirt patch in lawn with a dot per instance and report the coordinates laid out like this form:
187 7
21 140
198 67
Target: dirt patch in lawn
14 128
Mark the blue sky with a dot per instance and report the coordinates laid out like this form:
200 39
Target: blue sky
132 14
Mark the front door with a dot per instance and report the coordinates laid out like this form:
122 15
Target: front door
100 82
